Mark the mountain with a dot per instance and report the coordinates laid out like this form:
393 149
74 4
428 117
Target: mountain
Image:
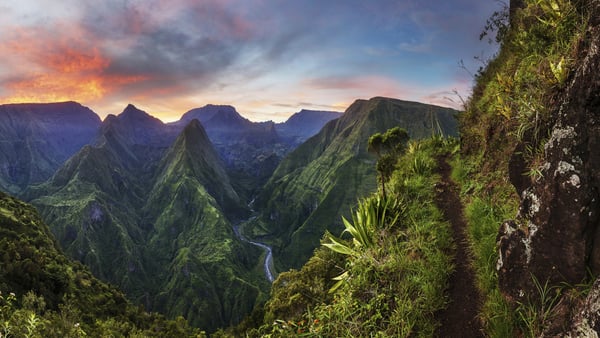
136 138
92 202
250 150
319 181
35 139
226 127
61 293
201 269
148 207
192 151
303 125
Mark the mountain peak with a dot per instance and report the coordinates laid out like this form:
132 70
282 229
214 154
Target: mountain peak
133 115
132 110
194 132
130 106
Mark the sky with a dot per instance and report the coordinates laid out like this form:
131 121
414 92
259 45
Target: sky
267 58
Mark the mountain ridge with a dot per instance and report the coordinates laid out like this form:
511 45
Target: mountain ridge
151 206
324 176
35 139
145 215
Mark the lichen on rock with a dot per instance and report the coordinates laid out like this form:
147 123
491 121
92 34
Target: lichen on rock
555 238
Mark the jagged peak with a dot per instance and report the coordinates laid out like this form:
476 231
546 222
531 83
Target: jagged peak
133 114
193 128
132 110
193 135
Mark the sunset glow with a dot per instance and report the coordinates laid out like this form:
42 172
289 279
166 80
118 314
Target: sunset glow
267 58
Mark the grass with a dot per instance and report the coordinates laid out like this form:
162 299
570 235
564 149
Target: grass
511 105
394 263
484 216
534 313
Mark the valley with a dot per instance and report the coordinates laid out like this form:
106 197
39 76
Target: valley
158 209
394 218
268 260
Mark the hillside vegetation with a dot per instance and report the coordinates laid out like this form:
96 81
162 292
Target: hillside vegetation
45 294
526 165
386 276
507 135
527 168
323 178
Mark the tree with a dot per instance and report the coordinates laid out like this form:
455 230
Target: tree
387 147
375 144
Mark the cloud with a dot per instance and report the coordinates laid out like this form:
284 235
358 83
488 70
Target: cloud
309 105
368 85
256 54
48 66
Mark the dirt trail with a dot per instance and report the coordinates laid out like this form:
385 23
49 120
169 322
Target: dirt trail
460 318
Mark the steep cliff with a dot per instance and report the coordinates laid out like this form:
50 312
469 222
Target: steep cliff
530 138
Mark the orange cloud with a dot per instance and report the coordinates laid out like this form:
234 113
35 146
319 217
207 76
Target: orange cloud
57 67
68 60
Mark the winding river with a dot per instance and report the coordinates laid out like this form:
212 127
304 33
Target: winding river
268 258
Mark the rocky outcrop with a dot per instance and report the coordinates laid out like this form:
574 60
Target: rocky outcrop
556 236
586 322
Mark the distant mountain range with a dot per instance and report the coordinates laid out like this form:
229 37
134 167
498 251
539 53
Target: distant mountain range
151 207
252 150
35 139
304 124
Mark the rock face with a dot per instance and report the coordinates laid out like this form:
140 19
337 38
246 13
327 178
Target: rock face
586 322
556 236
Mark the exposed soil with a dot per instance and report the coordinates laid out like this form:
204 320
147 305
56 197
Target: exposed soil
460 319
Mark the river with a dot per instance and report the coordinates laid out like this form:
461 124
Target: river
268 263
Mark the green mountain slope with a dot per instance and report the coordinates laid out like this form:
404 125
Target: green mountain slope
394 265
61 296
35 139
143 205
192 154
92 203
319 181
201 269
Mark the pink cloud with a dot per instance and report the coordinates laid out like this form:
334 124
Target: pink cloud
365 85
